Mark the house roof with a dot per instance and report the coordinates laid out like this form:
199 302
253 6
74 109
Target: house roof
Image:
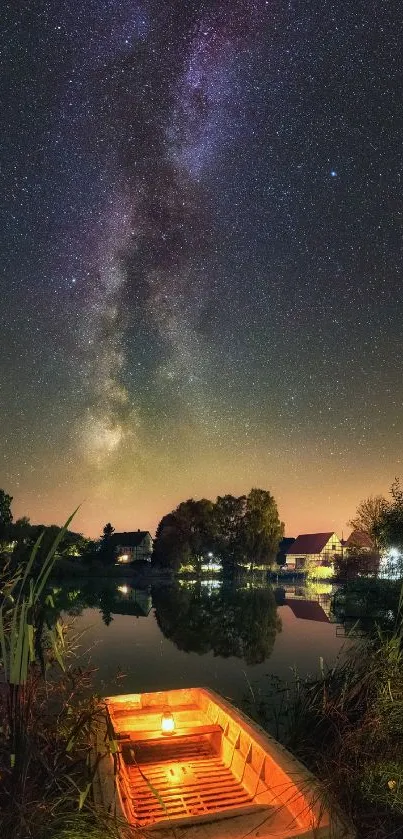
309 543
358 539
132 539
285 543
308 610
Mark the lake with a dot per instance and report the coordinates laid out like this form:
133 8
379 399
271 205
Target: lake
232 638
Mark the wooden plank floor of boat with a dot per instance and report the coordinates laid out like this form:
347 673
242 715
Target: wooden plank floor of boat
191 781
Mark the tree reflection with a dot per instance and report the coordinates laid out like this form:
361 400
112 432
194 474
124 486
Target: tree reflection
111 597
227 621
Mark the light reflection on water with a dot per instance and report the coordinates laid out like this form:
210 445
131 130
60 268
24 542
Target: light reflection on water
230 638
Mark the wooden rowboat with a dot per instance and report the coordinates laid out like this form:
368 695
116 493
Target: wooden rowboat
190 764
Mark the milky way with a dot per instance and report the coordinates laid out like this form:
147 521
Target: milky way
201 282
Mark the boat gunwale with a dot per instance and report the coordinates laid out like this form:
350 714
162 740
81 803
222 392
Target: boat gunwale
329 823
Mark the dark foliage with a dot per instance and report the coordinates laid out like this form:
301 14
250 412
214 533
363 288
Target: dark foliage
236 530
227 621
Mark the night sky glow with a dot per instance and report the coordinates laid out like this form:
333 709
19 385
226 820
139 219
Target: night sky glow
201 273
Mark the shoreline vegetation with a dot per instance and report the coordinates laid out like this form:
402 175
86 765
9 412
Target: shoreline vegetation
49 715
346 725
232 536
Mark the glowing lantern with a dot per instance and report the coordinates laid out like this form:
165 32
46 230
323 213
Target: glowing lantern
167 723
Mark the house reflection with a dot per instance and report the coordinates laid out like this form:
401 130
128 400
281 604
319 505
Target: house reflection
312 603
130 600
110 596
124 599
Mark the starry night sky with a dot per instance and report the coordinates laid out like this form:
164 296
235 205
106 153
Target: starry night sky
201 239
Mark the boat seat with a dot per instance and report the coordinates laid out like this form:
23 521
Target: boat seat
189 731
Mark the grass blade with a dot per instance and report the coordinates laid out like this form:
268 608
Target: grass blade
51 557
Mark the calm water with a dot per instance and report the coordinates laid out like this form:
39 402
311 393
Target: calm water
228 638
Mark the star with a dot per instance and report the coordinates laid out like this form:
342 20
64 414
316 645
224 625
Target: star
185 276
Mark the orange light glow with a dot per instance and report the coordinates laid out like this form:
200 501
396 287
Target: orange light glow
167 723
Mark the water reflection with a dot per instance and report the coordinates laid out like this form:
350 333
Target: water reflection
240 619
363 605
311 602
111 597
207 616
197 616
197 632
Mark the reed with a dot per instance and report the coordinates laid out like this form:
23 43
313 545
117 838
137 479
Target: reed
346 725
48 716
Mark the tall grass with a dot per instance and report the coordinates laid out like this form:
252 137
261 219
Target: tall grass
347 727
47 714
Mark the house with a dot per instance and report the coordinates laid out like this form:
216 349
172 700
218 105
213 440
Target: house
359 541
131 546
283 549
313 549
361 554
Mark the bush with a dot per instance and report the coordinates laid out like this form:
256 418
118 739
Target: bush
320 572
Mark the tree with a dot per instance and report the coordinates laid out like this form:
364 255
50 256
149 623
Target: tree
170 545
197 521
185 535
229 515
6 515
73 544
106 551
262 530
369 516
21 527
24 535
357 562
107 532
237 529
390 525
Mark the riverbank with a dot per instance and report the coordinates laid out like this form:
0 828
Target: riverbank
346 725
75 567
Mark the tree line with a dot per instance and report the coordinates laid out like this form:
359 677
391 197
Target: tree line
236 530
17 538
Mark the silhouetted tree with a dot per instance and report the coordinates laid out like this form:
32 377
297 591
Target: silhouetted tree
369 516
263 529
6 515
355 562
25 534
186 534
107 531
390 525
240 529
171 547
229 513
106 551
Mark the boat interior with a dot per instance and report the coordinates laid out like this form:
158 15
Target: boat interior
187 756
